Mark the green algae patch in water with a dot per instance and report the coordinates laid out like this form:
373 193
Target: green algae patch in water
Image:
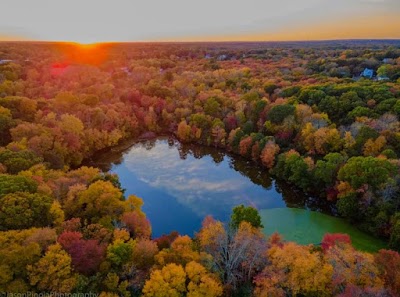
308 227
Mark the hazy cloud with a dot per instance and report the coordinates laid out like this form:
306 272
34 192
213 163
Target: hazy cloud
123 20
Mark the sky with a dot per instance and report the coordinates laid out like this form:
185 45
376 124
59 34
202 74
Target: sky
89 21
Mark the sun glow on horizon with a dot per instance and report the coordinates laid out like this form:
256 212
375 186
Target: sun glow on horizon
84 53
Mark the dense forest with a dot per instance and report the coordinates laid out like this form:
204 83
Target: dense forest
322 116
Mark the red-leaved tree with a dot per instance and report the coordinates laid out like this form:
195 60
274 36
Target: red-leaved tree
333 239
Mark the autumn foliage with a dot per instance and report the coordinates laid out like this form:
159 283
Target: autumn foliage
86 255
330 240
299 110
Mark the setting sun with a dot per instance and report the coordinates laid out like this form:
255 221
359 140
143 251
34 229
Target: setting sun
86 53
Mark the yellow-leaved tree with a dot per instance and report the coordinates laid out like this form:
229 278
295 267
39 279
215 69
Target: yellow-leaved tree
173 280
295 269
53 272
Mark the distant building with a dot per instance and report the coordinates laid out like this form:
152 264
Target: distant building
208 56
383 77
387 60
222 57
5 61
367 73
126 70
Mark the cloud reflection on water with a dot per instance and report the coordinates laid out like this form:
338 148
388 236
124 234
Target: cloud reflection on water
196 183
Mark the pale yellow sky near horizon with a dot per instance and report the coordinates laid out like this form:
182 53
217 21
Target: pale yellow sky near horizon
89 21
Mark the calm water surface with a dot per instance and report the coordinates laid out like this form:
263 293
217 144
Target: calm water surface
181 184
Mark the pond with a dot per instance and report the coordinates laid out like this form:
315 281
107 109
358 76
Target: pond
181 184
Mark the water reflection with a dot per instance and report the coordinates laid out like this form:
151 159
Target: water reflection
181 183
